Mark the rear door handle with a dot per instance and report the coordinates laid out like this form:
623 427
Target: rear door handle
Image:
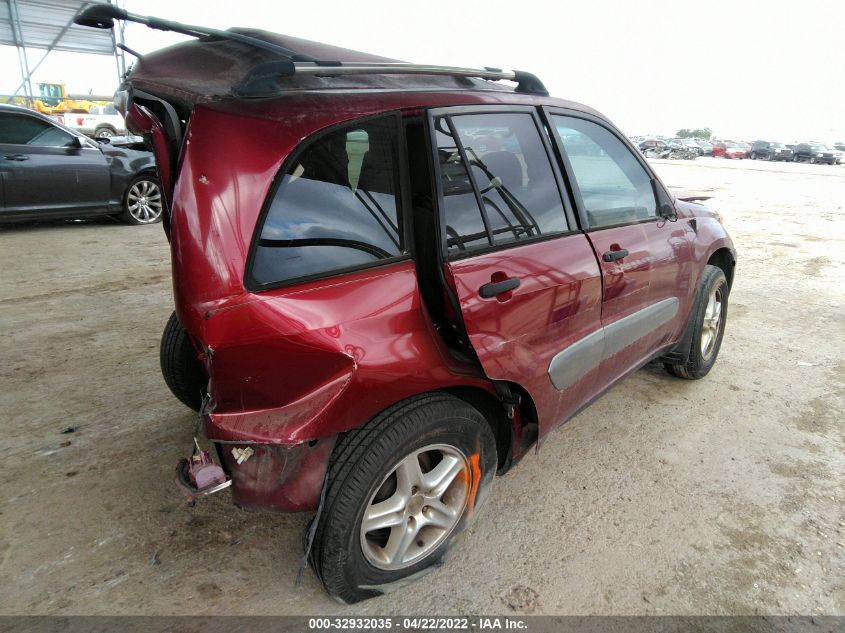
495 288
612 256
16 157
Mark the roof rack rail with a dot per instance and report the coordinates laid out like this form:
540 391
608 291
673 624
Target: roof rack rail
102 16
260 82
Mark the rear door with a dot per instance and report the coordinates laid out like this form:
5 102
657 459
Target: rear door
45 170
526 280
644 258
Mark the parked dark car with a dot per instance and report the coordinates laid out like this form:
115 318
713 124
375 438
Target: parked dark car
816 153
658 148
706 147
392 282
770 150
690 144
50 171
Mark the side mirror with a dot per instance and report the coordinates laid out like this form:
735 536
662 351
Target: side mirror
665 204
75 143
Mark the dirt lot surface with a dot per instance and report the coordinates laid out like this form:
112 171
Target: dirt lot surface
725 495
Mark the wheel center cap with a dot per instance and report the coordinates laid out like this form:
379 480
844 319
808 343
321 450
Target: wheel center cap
415 505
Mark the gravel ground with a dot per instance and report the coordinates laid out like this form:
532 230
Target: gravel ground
722 496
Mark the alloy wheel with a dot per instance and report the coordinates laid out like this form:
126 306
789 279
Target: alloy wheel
416 507
144 201
711 322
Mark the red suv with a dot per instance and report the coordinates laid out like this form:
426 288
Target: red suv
729 149
391 281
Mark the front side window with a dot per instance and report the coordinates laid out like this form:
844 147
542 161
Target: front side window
499 159
335 208
18 129
614 186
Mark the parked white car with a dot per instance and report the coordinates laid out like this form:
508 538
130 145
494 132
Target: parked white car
101 122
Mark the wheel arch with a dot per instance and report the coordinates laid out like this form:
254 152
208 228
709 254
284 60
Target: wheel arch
148 170
723 258
513 435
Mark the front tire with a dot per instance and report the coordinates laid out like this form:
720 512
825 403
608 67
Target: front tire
400 489
180 367
705 328
105 131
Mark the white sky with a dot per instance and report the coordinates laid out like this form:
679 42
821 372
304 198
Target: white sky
747 69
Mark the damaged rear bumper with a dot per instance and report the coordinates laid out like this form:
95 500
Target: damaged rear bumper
261 476
275 477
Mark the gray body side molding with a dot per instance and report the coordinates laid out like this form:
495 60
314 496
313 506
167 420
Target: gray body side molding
571 364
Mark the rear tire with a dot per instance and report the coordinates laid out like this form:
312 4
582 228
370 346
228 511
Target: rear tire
142 202
705 328
395 462
180 367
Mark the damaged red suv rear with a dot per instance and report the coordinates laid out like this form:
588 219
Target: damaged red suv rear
392 280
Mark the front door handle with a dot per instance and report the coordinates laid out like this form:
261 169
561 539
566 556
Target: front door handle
612 256
16 157
495 288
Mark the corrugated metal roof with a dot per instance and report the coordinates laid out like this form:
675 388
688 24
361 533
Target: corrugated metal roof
42 21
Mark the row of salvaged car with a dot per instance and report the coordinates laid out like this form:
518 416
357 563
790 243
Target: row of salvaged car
690 148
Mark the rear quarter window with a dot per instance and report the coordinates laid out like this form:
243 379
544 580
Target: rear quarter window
336 207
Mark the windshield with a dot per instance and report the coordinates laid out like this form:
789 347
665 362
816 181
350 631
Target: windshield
734 145
819 148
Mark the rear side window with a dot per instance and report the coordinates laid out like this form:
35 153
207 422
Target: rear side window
614 186
336 207
499 159
465 229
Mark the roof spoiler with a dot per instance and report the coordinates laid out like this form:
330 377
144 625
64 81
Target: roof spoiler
260 81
